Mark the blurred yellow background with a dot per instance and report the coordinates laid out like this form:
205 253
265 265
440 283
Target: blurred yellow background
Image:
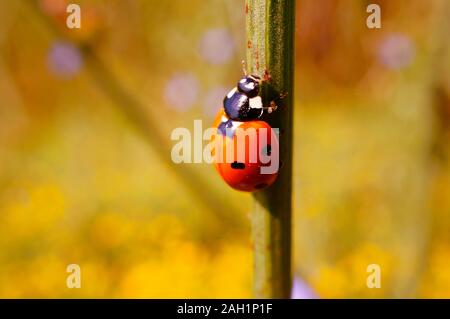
85 169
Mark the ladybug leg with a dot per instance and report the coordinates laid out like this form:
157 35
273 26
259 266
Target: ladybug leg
273 105
283 95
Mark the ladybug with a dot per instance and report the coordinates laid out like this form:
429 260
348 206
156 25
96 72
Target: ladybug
239 127
243 173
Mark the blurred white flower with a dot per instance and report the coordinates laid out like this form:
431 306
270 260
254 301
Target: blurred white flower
217 46
181 91
396 51
213 100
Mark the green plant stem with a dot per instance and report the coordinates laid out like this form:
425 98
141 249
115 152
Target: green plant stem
270 46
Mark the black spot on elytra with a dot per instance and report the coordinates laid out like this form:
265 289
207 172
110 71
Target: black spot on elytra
237 165
260 186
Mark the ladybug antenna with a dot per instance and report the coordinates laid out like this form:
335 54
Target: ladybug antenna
273 107
244 67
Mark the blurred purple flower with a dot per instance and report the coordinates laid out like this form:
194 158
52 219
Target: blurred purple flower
217 46
64 59
300 290
396 51
213 100
181 91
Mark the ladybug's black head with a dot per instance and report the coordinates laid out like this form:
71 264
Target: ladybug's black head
249 85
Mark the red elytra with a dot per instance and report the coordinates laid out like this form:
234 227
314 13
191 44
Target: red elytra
245 173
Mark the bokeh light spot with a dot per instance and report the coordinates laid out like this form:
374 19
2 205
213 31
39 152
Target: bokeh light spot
64 59
396 51
217 46
181 91
300 290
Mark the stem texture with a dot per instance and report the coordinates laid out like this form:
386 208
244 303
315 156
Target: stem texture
270 28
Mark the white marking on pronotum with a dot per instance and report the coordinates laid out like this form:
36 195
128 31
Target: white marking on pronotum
256 102
235 124
230 94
